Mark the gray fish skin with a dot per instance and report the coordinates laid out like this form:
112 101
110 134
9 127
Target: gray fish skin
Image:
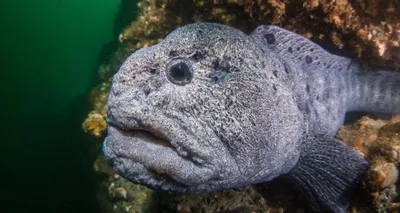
327 86
245 109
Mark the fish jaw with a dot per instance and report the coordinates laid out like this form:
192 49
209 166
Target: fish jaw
151 155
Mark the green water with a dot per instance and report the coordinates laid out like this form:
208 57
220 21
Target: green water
49 53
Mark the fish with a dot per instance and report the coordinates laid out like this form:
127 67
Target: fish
212 108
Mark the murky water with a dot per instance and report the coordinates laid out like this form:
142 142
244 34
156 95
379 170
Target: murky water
49 57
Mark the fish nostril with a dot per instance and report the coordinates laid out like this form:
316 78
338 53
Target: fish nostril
146 91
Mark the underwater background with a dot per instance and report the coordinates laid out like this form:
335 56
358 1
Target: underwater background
58 58
50 51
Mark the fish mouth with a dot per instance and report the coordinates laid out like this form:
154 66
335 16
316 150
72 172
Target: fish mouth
156 137
158 150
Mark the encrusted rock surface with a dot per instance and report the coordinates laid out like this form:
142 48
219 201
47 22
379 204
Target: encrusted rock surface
379 142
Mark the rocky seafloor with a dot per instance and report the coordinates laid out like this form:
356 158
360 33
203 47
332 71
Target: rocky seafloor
368 30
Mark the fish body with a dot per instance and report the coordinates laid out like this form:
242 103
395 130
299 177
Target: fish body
211 108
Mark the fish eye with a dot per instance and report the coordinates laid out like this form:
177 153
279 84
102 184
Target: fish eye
180 72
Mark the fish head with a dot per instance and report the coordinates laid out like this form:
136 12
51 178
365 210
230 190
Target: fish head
205 109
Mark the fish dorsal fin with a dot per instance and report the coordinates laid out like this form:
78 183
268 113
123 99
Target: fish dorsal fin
297 49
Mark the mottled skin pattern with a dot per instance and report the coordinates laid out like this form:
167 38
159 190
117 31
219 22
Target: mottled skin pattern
253 108
327 86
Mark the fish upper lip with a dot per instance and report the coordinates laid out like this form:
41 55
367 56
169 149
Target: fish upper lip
169 137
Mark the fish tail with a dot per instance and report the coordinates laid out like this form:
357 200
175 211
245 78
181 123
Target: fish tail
377 91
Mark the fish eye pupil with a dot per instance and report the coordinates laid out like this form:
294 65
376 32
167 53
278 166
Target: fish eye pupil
180 73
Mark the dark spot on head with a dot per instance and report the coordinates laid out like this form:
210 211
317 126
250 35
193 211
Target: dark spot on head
230 103
270 38
224 64
273 86
308 88
146 90
312 50
197 56
308 59
181 109
173 54
275 72
153 71
290 49
199 34
165 102
298 48
215 64
240 60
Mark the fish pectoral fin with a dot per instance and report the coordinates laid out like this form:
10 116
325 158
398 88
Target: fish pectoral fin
327 172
